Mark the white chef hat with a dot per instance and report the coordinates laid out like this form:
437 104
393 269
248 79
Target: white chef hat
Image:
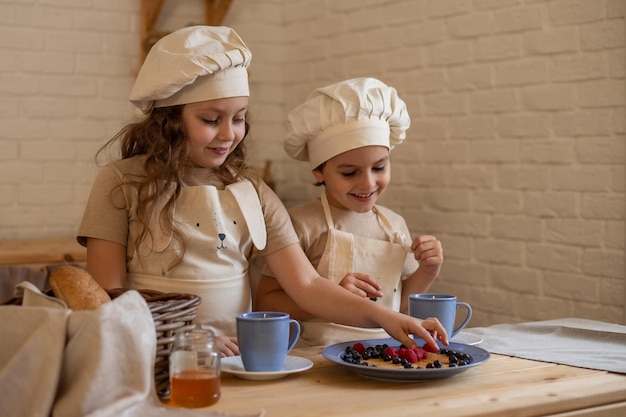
192 64
343 116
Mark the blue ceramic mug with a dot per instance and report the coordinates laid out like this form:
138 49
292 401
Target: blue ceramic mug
264 339
442 306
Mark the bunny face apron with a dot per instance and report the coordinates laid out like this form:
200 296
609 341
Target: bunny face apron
344 253
219 228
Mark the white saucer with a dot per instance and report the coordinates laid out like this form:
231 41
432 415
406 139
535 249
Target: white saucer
293 364
466 339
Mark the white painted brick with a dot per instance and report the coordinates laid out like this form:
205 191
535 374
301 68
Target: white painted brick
427 82
470 26
9 151
550 97
528 177
9 108
520 125
598 312
602 35
517 228
495 4
548 151
602 150
581 178
603 262
618 179
603 206
518 20
445 152
611 292
42 17
447 200
18 84
575 232
438 9
470 78
516 280
614 8
552 204
424 33
472 127
530 71
493 151
571 286
451 53
616 63
444 104
493 101
499 251
552 41
605 93
578 67
570 12
474 176
553 257
17 129
497 48
501 202
584 123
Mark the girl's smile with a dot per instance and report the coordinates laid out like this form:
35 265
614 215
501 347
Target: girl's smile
214 128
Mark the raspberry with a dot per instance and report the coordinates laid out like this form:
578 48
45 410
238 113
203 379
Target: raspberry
411 356
421 353
359 347
427 348
391 352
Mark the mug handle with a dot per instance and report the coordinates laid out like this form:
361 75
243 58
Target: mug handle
468 316
294 335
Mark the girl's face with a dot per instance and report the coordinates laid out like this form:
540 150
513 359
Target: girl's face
355 179
214 128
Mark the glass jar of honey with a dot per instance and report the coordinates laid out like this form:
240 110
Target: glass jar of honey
195 368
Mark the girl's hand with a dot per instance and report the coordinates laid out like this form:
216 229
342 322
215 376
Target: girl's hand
227 345
361 284
401 325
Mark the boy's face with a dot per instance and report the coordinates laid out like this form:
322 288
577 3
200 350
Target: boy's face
214 128
355 179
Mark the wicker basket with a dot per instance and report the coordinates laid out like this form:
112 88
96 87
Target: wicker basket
170 312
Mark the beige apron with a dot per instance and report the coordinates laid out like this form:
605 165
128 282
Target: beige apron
219 229
344 253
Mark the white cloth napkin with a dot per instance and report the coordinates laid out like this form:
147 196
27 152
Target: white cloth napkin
569 341
63 363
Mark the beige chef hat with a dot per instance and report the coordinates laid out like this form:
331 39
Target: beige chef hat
192 64
348 115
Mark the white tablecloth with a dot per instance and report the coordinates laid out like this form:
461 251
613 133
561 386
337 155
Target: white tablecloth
569 341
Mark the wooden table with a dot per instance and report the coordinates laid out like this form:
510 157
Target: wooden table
503 387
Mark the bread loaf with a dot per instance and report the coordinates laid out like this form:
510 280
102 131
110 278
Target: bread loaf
77 288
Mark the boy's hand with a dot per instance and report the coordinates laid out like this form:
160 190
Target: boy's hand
361 284
429 253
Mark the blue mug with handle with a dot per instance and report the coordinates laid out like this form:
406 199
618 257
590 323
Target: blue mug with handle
442 306
265 338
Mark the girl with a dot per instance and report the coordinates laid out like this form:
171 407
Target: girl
346 131
181 212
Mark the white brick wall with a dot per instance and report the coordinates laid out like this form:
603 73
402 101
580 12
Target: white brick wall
515 158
